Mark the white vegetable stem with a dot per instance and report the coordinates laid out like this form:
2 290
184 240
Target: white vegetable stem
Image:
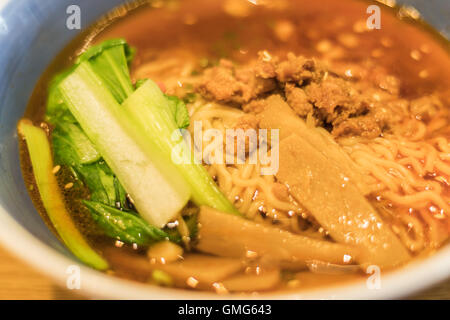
157 192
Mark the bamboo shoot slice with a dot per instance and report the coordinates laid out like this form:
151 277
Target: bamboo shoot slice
278 115
231 236
266 280
200 270
337 204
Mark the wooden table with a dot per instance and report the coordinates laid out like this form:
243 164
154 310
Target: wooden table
18 281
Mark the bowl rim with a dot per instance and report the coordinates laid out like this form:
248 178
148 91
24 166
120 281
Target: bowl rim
403 282
416 276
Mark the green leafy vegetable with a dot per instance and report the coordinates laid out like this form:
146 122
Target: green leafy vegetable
72 135
94 51
152 181
179 111
97 176
56 110
140 83
155 126
125 226
192 224
71 146
101 142
109 60
130 228
41 161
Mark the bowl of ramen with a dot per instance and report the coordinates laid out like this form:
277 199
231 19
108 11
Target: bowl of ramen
271 149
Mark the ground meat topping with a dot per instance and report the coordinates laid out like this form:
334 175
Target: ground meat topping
226 83
298 100
353 99
220 83
297 69
266 66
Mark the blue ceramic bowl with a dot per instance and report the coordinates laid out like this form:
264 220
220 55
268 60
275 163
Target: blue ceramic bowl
32 32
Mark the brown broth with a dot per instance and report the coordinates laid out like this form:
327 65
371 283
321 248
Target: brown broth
216 34
208 32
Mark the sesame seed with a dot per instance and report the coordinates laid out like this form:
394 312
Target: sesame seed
220 288
119 244
56 169
192 282
347 258
68 186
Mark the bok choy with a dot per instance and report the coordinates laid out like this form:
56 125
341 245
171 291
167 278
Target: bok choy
153 118
129 227
42 164
153 183
133 131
